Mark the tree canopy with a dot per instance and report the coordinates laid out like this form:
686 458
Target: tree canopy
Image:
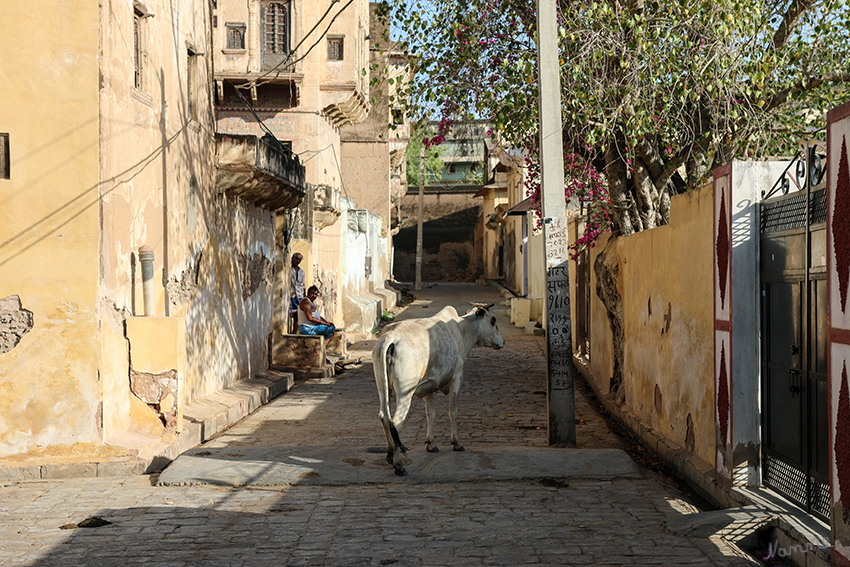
655 93
433 163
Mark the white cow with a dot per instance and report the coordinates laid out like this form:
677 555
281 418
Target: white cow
423 356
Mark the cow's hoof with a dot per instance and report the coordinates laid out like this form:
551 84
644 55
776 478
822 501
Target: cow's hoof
400 471
431 448
457 447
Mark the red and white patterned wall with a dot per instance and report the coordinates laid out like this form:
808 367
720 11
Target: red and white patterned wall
838 266
723 321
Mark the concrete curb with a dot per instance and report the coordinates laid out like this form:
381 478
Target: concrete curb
203 418
358 466
500 287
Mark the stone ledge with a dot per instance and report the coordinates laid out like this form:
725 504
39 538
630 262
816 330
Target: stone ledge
298 351
216 412
300 374
205 418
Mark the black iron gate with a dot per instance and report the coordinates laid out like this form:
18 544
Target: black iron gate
795 417
582 322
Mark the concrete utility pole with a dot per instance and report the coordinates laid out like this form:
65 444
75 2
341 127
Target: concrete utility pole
418 283
559 347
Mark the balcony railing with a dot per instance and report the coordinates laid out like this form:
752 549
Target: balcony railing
278 161
259 170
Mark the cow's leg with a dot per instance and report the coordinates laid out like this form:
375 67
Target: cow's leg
385 422
453 393
383 382
430 412
401 410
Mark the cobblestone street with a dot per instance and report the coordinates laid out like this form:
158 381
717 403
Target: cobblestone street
541 521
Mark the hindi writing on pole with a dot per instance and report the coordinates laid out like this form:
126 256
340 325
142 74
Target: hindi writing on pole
560 331
556 242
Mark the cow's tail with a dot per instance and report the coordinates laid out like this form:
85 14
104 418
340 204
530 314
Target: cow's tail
383 361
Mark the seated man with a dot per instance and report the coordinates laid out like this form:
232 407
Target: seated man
309 320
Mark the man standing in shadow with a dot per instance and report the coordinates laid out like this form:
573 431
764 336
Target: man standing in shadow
296 290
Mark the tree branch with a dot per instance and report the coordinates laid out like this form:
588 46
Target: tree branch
789 21
802 86
680 158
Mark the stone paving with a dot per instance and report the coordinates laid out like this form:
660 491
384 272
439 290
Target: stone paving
547 521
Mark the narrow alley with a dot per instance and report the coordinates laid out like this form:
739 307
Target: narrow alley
345 507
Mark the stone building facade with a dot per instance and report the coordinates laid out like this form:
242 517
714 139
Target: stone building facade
137 256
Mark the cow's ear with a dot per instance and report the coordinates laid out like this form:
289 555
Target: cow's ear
481 312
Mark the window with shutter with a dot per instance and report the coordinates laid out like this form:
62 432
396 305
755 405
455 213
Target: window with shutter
235 36
276 27
335 49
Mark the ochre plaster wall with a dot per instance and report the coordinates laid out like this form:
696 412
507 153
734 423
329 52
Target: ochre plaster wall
213 254
229 312
492 237
49 390
514 268
366 167
536 264
666 285
434 207
327 270
100 168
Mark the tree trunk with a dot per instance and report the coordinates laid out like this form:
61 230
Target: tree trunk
607 270
618 190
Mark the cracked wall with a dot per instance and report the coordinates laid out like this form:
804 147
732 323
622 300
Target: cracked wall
105 168
668 325
49 388
15 322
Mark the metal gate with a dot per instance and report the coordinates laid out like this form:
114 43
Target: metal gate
582 322
795 416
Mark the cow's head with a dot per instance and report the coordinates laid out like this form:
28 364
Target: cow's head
488 331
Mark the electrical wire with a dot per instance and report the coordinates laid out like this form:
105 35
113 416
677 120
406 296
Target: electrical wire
325 32
339 169
259 120
288 59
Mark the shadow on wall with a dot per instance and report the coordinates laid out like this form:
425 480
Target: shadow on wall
452 262
229 314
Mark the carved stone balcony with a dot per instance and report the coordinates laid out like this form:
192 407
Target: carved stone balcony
326 206
256 170
345 108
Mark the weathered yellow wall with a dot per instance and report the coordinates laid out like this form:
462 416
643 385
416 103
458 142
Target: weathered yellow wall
327 273
512 235
536 264
227 319
49 390
366 168
100 168
215 253
493 237
666 286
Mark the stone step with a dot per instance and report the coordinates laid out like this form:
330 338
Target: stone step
140 453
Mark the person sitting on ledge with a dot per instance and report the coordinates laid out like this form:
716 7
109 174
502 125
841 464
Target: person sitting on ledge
309 320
